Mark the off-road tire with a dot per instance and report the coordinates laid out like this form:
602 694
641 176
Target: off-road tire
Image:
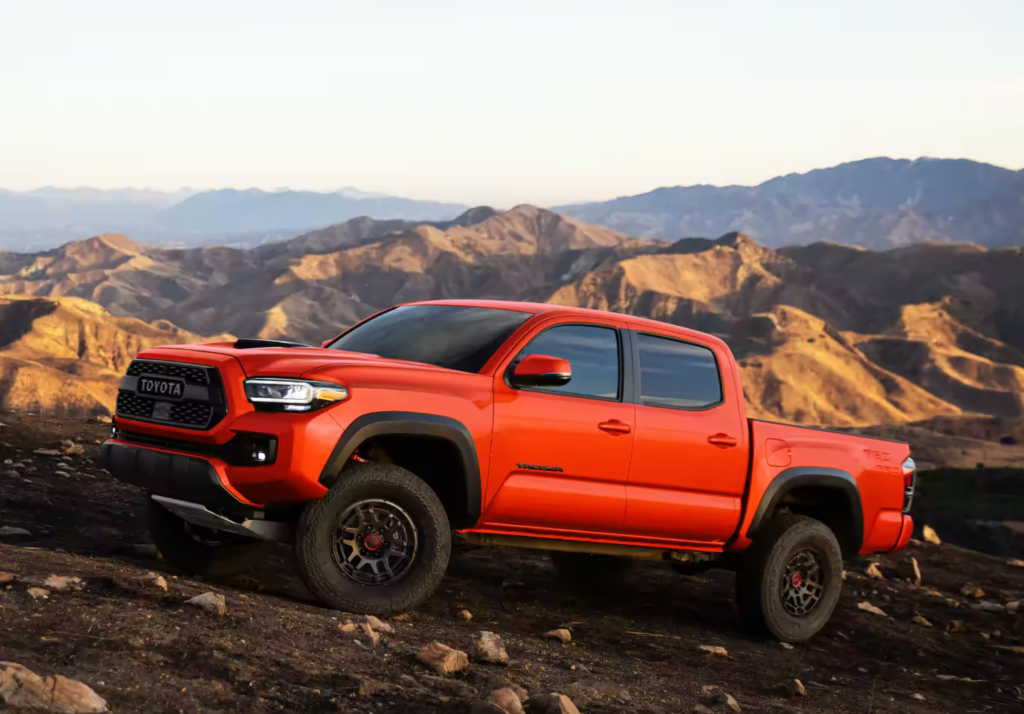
759 579
314 541
586 570
233 555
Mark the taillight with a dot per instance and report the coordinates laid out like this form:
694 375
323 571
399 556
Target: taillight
909 478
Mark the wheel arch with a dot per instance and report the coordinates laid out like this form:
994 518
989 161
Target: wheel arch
830 495
462 499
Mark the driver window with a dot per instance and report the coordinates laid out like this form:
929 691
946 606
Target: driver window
593 352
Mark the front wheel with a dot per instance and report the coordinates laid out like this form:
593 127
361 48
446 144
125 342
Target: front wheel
378 542
790 578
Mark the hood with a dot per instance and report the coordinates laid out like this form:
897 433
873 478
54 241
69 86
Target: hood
296 361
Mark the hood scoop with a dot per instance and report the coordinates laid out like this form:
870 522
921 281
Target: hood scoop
251 343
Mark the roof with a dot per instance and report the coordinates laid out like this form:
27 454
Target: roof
543 307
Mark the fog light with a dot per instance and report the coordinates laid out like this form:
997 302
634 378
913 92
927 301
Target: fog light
253 450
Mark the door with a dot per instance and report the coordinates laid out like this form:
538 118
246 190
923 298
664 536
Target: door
689 464
560 455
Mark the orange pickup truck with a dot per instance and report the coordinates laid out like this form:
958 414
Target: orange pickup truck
596 436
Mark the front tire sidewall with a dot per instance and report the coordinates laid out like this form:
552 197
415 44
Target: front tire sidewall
315 541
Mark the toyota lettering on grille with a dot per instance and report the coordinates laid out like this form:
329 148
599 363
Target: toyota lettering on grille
157 387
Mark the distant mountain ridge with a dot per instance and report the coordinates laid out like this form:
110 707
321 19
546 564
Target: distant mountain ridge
230 210
49 216
875 203
825 334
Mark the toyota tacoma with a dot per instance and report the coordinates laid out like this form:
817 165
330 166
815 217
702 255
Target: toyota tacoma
596 436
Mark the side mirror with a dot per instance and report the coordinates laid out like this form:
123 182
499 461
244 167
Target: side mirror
542 371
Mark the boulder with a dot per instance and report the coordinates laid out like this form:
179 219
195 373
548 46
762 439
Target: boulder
371 635
442 658
61 582
490 649
561 634
211 602
929 534
970 590
791 688
155 580
986 606
21 688
506 701
714 650
378 624
552 703
723 699
868 607
872 571
910 570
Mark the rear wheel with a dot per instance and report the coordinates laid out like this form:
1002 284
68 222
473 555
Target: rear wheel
789 581
202 551
378 542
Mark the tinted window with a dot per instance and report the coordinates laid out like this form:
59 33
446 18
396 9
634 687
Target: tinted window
593 353
449 336
677 374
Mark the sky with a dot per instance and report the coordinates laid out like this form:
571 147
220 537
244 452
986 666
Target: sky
498 102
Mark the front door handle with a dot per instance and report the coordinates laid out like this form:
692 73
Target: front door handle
722 440
614 427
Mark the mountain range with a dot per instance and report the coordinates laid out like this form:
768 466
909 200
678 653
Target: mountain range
47 217
826 334
875 203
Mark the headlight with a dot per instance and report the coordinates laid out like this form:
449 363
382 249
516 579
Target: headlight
292 395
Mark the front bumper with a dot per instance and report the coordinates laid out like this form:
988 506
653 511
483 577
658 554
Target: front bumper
174 475
303 444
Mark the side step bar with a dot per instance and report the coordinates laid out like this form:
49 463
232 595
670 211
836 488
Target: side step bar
199 515
578 546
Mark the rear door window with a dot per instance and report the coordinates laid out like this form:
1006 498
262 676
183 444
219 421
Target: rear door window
677 374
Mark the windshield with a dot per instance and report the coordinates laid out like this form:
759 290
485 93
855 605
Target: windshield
449 336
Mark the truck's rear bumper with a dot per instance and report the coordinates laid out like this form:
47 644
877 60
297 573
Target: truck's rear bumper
166 473
906 530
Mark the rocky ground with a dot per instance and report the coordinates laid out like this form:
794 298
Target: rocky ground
938 647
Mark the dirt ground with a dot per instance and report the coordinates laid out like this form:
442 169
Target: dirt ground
634 648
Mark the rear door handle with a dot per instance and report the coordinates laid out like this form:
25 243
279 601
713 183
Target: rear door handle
614 427
722 440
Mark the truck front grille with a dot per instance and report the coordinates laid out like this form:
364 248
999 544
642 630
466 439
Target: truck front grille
201 406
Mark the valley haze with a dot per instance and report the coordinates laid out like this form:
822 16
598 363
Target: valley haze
874 203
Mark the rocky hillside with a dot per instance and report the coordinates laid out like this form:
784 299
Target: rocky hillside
86 603
826 334
66 355
875 203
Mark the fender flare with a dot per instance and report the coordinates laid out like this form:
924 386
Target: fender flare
799 476
434 426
